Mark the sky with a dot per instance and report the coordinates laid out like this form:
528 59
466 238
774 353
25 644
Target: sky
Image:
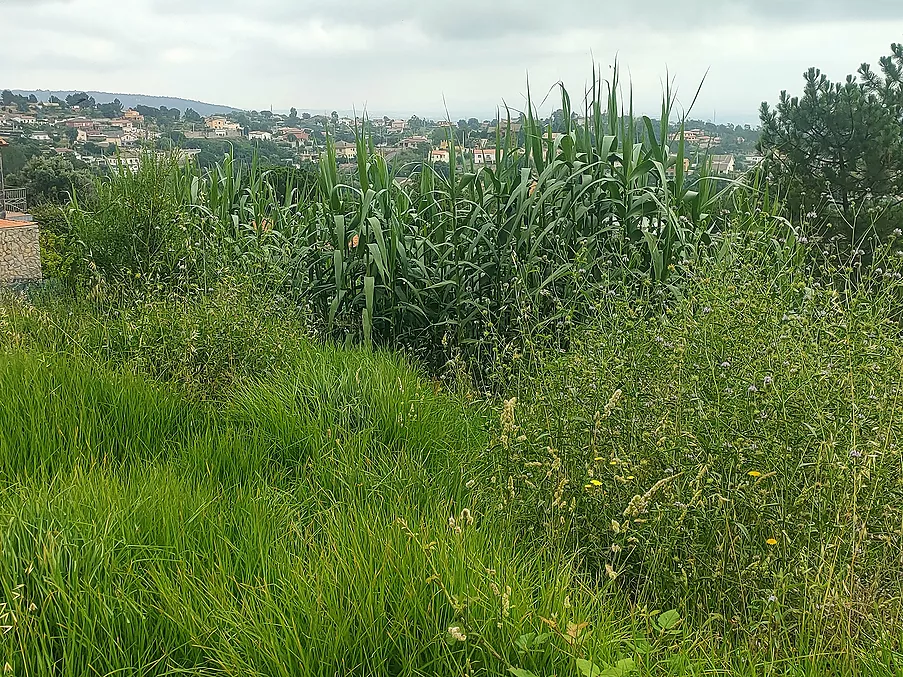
466 57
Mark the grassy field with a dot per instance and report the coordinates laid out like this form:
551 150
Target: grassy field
337 512
576 414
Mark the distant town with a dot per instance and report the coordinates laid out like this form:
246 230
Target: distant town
108 135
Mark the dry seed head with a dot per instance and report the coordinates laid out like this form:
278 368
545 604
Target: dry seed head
612 402
457 634
639 504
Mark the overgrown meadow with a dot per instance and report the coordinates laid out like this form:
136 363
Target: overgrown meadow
577 414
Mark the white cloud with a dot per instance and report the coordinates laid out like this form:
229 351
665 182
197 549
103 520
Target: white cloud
404 56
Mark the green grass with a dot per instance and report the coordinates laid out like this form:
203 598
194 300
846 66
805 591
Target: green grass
299 524
299 528
696 470
735 455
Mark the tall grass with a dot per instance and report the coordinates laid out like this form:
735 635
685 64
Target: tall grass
335 519
429 261
694 472
735 454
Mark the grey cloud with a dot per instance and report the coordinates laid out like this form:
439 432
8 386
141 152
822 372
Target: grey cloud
465 20
407 54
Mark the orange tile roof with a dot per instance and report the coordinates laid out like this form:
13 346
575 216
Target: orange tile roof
16 222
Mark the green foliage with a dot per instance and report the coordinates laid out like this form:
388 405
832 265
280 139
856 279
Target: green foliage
53 179
204 344
133 226
192 517
734 454
696 471
437 259
838 147
16 155
119 497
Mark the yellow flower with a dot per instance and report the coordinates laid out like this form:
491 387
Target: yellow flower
596 483
771 541
754 473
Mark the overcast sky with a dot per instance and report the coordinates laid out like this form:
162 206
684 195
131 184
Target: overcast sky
404 56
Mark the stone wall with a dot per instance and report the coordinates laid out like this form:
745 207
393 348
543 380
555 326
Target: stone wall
20 253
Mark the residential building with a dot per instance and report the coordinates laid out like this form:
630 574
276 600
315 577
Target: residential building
414 142
119 163
723 164
345 150
124 124
132 114
218 122
672 170
296 135
260 136
80 123
439 155
484 156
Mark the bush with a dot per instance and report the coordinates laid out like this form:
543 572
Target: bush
205 344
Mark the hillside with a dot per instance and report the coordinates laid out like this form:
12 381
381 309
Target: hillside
132 100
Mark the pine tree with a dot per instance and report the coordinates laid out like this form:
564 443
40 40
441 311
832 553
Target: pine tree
839 147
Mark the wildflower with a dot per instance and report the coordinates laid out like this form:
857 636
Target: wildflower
768 381
609 569
752 389
754 473
772 598
596 483
457 634
771 541
466 517
855 454
725 365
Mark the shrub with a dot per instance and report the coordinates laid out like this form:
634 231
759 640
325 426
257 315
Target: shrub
205 343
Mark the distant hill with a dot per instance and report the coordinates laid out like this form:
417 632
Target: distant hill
132 100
